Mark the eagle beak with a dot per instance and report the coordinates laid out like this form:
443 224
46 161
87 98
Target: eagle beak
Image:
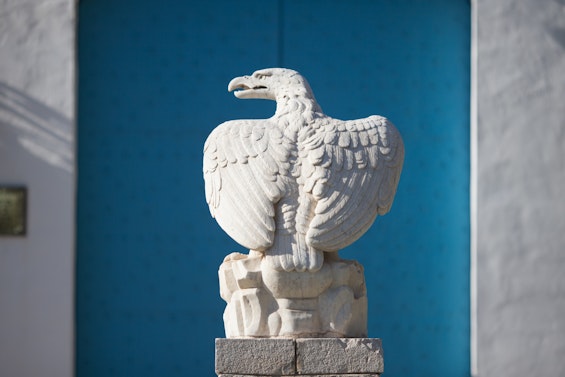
249 87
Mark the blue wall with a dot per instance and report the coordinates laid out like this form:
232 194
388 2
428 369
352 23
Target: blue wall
152 85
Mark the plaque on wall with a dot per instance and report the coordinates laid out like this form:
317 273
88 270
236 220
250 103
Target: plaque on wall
13 203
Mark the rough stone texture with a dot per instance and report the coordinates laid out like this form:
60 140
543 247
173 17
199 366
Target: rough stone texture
521 177
310 375
306 356
339 356
272 357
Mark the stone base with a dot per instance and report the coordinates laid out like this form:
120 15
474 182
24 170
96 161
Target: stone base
352 357
265 303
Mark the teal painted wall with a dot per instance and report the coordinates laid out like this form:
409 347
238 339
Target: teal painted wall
152 85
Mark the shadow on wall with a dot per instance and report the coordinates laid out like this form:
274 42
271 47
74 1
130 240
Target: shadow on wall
43 132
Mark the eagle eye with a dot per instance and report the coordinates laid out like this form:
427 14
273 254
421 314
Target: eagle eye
262 75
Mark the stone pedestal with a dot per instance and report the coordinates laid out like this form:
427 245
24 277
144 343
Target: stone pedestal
352 357
263 302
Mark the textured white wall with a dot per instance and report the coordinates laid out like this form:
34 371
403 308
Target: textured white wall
521 181
37 103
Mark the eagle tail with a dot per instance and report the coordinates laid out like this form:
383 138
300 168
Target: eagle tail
290 252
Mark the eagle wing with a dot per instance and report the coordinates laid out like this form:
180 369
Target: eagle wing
352 170
244 165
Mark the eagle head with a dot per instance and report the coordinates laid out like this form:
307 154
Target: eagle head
271 83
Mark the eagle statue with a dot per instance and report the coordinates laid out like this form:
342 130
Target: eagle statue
300 185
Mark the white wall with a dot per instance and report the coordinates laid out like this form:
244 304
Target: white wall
37 117
521 187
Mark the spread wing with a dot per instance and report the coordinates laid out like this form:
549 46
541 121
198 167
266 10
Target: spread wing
244 162
352 169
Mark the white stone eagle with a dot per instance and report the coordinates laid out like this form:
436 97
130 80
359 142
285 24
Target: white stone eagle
300 183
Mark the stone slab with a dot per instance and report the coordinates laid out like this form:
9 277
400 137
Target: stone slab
255 357
310 375
335 356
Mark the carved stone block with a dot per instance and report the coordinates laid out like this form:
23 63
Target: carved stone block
339 356
271 357
293 357
310 375
263 302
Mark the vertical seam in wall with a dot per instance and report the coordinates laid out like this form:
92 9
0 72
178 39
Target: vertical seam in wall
474 189
295 365
280 34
